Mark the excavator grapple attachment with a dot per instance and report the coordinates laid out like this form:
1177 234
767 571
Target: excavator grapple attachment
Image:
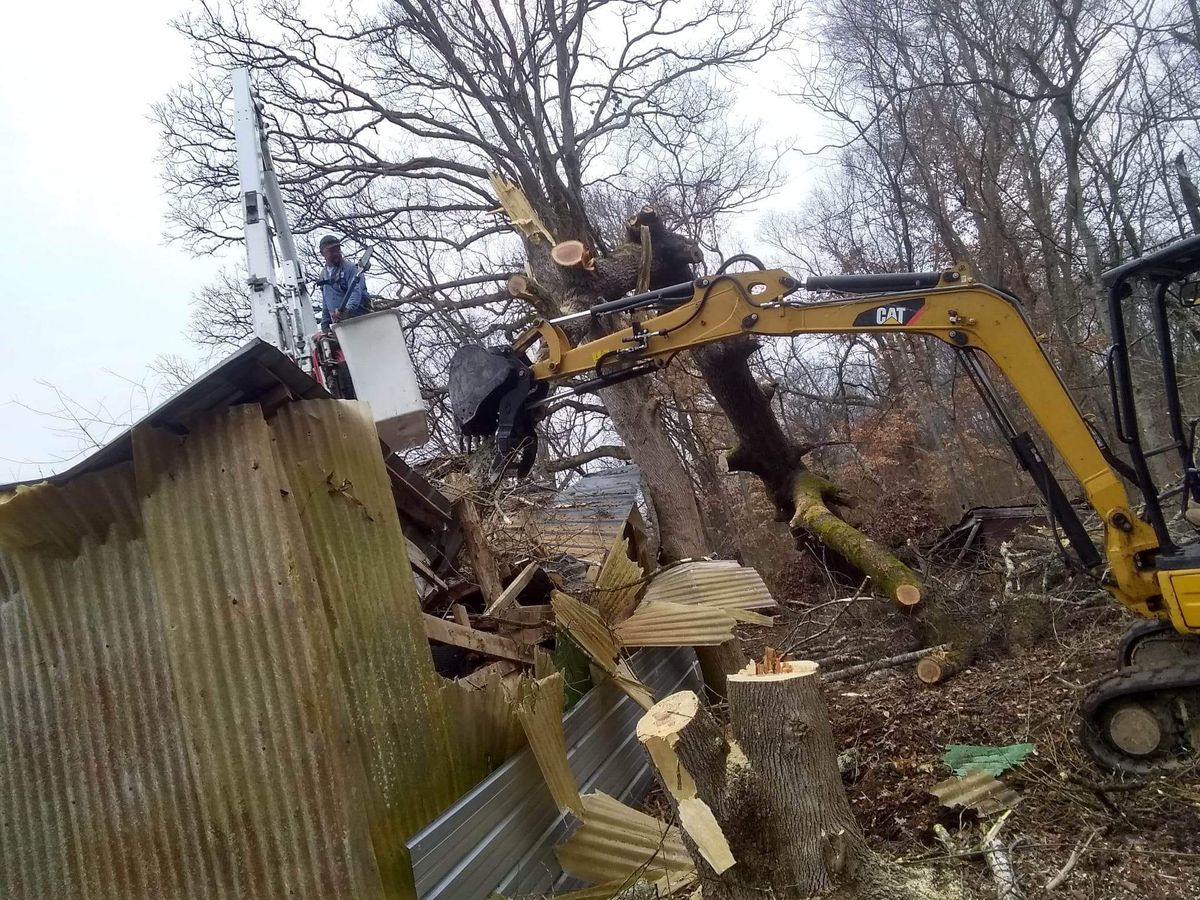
491 395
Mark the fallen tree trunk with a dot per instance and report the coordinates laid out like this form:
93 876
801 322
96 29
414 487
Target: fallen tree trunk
801 497
773 790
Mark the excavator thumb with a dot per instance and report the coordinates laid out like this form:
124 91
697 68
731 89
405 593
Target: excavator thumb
492 393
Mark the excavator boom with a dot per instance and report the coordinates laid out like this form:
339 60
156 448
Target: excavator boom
1134 722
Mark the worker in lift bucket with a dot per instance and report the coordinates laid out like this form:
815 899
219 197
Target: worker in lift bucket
343 286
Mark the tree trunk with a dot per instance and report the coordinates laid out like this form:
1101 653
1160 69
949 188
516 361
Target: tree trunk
774 790
800 496
633 410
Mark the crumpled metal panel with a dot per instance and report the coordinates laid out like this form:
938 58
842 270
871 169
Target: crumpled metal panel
978 790
615 841
500 836
719 583
662 624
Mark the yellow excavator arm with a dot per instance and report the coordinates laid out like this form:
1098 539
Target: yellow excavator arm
1143 719
966 315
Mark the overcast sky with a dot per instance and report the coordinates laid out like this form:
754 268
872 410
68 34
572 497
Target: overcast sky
93 293
90 285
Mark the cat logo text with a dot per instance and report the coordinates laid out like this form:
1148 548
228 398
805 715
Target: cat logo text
892 315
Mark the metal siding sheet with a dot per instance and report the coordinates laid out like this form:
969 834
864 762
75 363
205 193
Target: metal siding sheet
329 460
501 835
96 797
257 677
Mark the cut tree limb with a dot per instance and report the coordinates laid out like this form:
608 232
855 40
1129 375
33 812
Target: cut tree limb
878 664
999 860
940 666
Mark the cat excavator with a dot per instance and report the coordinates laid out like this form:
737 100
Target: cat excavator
1145 717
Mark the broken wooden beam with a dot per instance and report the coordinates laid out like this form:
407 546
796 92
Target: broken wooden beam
446 632
483 561
508 596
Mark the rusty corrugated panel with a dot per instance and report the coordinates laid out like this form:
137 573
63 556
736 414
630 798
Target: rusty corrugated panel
328 453
662 624
719 583
259 684
978 790
209 682
486 732
97 798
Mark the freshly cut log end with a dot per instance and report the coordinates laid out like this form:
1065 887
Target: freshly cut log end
668 716
908 595
572 255
518 286
938 667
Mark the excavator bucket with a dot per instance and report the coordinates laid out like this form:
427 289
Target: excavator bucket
491 395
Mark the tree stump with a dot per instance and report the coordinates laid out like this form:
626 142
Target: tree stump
774 789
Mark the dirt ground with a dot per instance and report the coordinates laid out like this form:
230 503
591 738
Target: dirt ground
1144 835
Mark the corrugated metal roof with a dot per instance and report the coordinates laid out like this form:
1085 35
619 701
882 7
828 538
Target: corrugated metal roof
719 583
210 679
586 518
249 373
501 836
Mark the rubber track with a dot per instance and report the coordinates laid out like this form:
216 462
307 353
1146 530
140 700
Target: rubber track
1132 682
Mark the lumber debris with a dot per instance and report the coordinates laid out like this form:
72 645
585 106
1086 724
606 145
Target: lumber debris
878 664
539 707
508 597
483 561
524 616
939 667
456 635
480 678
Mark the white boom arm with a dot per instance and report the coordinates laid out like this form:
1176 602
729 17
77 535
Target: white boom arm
279 302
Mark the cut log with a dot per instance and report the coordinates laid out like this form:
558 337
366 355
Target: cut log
878 664
456 635
483 561
572 255
940 666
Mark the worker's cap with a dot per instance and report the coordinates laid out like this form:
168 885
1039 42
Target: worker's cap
329 241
